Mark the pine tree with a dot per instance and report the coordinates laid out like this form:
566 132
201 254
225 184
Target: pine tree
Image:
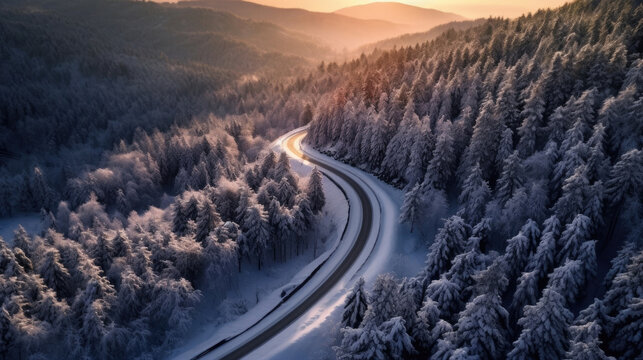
482 327
628 325
474 196
585 343
575 191
180 219
447 294
355 306
411 209
519 249
512 178
533 117
619 263
574 235
442 163
465 265
507 101
207 220
383 300
256 231
397 341
315 191
545 329
544 259
568 280
625 286
526 293
625 179
121 245
505 149
449 241
365 343
422 332
484 141
420 153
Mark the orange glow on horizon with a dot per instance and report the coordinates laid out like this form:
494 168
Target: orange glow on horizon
467 8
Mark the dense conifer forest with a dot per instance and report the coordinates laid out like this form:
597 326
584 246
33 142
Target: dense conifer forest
535 126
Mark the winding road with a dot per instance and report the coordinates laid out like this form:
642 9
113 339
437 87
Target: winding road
366 228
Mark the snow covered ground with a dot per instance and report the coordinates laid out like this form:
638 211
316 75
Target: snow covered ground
31 223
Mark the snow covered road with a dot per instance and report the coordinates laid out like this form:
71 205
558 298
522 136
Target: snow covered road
365 250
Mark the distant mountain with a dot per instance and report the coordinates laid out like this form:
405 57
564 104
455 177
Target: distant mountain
415 18
419 38
335 30
194 35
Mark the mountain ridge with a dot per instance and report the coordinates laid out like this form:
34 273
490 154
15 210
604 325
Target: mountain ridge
416 18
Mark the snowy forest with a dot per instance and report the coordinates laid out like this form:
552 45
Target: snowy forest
533 128
152 173
147 155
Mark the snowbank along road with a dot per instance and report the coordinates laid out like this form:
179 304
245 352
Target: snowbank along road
359 245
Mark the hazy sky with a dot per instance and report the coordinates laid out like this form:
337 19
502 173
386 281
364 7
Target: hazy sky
468 8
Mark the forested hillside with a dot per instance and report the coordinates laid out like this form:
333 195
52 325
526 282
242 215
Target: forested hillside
145 152
80 76
535 126
334 30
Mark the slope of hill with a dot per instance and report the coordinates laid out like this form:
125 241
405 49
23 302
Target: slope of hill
335 30
415 18
533 126
419 38
217 38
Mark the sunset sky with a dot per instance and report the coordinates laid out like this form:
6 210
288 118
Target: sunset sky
468 8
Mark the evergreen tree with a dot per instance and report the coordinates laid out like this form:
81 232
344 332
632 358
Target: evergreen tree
544 260
512 178
625 342
507 101
180 219
482 327
422 332
256 231
519 249
420 153
474 196
575 190
533 117
484 141
449 241
315 191
619 263
355 306
574 235
207 220
365 343
442 163
383 300
55 275
397 341
585 343
411 209
526 293
447 294
505 149
568 280
545 329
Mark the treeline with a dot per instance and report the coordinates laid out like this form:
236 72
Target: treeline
534 125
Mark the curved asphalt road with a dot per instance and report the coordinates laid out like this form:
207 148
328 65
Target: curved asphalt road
332 280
